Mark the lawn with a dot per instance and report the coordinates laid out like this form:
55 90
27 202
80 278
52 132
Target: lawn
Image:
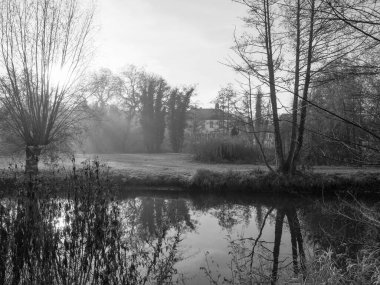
179 171
168 164
176 164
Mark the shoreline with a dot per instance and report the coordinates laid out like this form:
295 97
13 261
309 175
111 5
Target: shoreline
253 182
231 181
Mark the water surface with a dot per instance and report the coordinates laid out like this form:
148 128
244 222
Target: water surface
163 239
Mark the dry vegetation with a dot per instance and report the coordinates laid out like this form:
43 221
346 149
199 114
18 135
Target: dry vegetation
181 170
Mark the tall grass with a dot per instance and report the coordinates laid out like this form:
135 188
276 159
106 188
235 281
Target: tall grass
226 149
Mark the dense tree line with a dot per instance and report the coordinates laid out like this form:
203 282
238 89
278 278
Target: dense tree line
147 107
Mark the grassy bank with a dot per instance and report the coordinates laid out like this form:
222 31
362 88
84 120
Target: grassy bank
230 182
179 172
86 231
205 180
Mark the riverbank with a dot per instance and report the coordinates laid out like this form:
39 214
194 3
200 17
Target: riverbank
205 180
178 172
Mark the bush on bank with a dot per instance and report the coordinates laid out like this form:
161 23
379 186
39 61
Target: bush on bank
259 181
226 149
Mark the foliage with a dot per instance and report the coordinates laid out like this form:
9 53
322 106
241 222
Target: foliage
153 96
365 269
347 235
177 107
353 96
226 150
302 183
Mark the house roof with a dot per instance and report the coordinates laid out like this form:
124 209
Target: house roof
207 114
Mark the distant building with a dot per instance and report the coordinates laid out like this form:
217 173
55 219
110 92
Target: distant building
208 121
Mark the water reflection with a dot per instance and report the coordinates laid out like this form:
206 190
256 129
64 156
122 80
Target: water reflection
94 239
256 255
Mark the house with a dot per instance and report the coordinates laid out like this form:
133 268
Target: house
208 121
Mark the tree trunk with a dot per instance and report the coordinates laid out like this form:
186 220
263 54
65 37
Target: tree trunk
293 239
293 140
301 127
272 86
277 242
32 158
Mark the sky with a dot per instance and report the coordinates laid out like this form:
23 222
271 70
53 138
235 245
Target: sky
184 41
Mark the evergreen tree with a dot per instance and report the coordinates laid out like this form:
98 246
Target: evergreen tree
178 104
258 113
154 92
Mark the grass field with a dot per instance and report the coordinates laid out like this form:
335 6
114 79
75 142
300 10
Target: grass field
179 171
174 164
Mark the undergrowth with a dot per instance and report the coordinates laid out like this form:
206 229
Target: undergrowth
228 149
258 181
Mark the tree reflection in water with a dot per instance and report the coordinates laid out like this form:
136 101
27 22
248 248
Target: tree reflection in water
295 237
90 239
253 260
334 229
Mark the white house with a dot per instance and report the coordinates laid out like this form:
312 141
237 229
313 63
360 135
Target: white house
207 121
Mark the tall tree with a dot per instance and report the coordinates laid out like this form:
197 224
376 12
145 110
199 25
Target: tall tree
103 85
43 48
178 105
132 79
225 102
312 40
352 96
258 113
153 95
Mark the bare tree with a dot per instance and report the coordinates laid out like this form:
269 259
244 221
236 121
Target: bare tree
103 85
361 15
225 102
254 121
133 79
43 52
294 42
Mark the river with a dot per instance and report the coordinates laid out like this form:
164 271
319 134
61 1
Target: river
176 238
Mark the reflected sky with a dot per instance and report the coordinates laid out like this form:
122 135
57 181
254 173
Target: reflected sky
180 240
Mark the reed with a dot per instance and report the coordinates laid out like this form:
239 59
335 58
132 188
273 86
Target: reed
226 149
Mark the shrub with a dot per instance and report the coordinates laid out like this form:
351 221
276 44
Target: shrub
226 150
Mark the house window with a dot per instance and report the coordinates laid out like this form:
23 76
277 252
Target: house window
211 124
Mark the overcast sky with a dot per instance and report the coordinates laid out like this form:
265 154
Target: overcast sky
182 40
